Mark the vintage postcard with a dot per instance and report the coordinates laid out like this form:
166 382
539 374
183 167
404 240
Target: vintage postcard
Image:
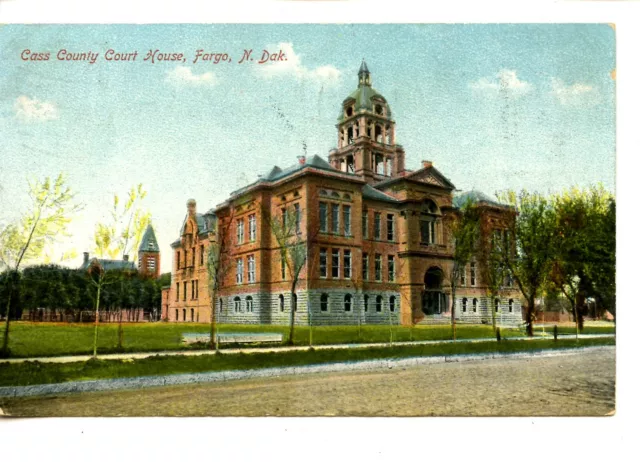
308 220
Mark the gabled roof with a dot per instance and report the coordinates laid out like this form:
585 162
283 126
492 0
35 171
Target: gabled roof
108 265
371 193
476 197
428 175
149 242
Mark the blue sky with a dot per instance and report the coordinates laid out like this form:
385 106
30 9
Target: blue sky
493 106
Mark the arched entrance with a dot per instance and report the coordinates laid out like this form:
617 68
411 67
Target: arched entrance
434 300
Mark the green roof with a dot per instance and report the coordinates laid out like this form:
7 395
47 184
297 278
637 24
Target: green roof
149 242
363 96
371 193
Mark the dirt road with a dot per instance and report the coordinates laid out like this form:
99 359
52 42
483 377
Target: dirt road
582 384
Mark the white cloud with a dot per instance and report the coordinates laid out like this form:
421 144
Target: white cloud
183 75
505 82
33 110
578 93
293 66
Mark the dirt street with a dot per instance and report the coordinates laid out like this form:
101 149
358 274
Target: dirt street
578 384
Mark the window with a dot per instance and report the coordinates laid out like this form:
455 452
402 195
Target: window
251 264
378 267
193 289
283 212
464 305
390 227
365 224
201 255
151 263
177 318
366 303
379 303
178 261
219 305
391 268
376 225
473 274
335 219
323 217
185 258
335 263
463 276
193 257
347 264
240 231
346 217
237 305
496 304
281 300
347 302
252 228
184 290
324 302
365 267
239 270
283 267
428 232
294 302
249 301
323 263
184 315
296 211
192 313
510 305
177 293
475 305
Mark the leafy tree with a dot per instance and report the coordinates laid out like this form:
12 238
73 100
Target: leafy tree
52 206
530 255
465 238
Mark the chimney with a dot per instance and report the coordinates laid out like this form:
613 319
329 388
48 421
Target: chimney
427 164
191 207
86 257
302 159
126 258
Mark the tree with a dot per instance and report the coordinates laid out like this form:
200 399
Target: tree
465 237
122 235
52 206
287 230
529 256
492 270
218 263
583 252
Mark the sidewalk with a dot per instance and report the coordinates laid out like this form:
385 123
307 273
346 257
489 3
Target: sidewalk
148 354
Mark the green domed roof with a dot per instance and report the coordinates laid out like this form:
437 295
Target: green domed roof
364 95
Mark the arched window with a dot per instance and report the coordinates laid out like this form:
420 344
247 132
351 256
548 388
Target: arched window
511 305
184 315
192 315
464 305
249 301
379 303
295 302
347 302
323 192
392 303
346 197
177 318
281 298
335 194
237 305
496 304
366 303
378 134
324 302
219 305
349 111
475 305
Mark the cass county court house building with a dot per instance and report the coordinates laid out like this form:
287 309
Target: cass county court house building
376 233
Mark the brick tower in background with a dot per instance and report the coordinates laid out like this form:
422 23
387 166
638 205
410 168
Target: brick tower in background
149 254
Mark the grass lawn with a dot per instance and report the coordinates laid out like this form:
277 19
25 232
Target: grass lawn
49 339
33 372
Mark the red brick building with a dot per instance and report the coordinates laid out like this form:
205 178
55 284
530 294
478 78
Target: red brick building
376 236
